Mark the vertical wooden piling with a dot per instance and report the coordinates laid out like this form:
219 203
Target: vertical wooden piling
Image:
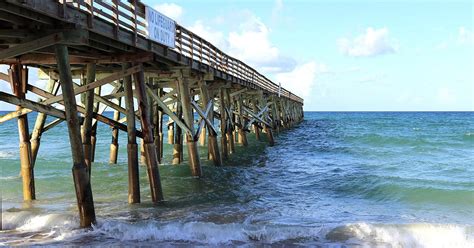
132 148
230 131
149 145
170 131
87 124
256 128
80 171
223 124
188 117
212 144
97 91
39 125
19 79
177 138
114 144
241 131
158 129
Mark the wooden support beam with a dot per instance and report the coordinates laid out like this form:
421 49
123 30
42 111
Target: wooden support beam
256 128
168 111
230 135
78 90
52 124
39 126
150 150
132 149
178 137
80 171
30 46
19 79
114 145
223 123
87 125
78 37
97 116
31 106
242 134
158 127
188 117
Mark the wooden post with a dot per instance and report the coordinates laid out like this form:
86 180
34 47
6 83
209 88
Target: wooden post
213 147
94 127
188 117
275 114
170 131
114 145
149 145
158 127
19 80
242 134
230 131
223 123
80 171
256 128
268 130
39 125
177 138
132 148
87 125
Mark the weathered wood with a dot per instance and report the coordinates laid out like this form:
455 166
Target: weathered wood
241 131
256 128
213 147
157 127
77 91
230 135
133 174
188 117
165 109
97 109
178 138
19 79
80 171
114 145
39 127
31 106
223 123
150 150
87 125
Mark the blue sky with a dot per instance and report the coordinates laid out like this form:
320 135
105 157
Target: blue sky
347 55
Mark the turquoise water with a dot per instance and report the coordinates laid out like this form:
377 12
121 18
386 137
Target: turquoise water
337 179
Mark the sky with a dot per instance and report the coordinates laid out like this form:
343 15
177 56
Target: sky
346 55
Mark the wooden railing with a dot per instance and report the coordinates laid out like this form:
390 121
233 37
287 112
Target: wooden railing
130 15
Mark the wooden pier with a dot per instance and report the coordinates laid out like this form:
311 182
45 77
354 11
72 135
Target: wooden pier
83 45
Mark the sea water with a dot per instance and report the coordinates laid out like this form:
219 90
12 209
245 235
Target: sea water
336 179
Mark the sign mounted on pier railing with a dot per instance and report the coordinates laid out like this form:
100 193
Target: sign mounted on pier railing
160 28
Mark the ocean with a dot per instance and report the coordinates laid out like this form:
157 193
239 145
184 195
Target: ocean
337 179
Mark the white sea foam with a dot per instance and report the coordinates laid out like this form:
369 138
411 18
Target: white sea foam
406 235
62 228
6 154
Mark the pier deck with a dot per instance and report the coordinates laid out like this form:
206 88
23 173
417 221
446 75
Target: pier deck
83 45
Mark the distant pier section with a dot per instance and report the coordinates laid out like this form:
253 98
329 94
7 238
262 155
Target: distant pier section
163 77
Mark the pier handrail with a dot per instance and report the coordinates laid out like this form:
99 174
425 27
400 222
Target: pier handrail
130 15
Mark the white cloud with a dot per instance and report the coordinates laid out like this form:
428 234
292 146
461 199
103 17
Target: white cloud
277 8
250 43
302 79
465 36
170 10
446 96
217 38
372 43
